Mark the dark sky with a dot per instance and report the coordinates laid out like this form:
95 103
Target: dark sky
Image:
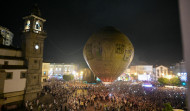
152 26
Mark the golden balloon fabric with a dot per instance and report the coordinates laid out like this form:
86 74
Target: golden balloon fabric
108 52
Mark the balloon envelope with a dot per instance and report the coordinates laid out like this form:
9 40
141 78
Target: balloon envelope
108 52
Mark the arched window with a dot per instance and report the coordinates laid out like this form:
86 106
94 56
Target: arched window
38 26
165 71
161 69
27 25
158 73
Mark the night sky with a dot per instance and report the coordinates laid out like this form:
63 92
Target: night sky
152 26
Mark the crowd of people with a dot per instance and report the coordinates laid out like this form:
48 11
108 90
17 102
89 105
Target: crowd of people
119 96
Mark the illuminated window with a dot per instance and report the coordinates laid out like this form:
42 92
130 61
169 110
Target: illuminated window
44 72
69 68
161 70
37 26
27 26
158 72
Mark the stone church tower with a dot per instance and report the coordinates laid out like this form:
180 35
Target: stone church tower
32 45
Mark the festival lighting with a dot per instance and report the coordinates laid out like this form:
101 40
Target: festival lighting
147 85
60 77
144 77
97 79
74 72
183 76
183 83
169 76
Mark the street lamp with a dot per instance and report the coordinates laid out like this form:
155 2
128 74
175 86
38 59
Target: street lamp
162 74
169 77
178 74
74 72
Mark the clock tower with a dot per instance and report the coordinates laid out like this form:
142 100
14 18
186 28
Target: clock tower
32 45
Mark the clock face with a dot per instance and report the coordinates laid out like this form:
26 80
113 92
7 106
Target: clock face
36 47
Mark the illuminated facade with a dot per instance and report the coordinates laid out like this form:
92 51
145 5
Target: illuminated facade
161 71
143 72
62 69
6 36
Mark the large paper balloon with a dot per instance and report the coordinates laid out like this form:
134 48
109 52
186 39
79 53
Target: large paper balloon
108 52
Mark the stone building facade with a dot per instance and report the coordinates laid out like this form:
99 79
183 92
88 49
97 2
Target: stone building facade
21 69
161 71
12 75
33 44
62 69
143 72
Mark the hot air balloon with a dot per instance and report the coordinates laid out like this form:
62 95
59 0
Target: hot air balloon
108 52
